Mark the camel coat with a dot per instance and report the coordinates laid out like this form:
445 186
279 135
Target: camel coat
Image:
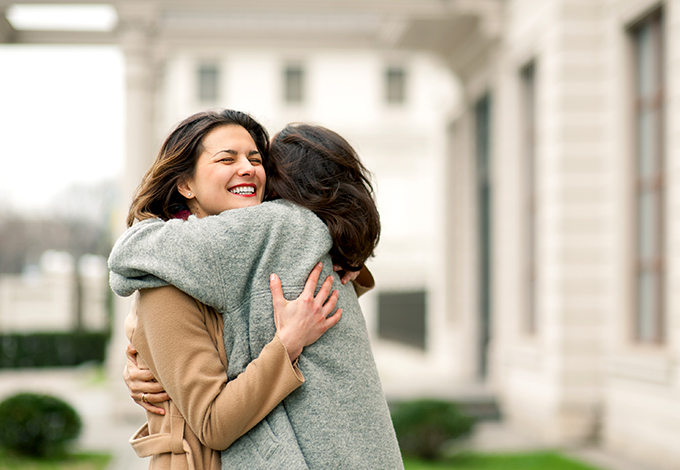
177 338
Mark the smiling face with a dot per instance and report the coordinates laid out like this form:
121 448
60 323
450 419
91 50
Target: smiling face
228 175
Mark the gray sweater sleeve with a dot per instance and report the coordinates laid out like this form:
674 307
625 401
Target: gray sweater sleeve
216 258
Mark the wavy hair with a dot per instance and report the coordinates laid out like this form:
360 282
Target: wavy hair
316 168
157 194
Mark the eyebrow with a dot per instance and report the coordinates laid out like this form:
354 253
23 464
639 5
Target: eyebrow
234 152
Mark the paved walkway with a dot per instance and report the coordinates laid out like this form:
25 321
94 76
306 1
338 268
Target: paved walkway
110 418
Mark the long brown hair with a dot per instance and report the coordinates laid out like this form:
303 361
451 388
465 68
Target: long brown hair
157 194
316 168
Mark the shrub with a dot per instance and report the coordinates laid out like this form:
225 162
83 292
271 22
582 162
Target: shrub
38 425
19 350
424 426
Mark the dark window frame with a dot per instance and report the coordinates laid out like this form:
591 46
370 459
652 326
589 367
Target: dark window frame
294 84
483 114
396 81
402 317
528 137
208 82
647 45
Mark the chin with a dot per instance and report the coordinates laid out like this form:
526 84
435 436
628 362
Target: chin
247 203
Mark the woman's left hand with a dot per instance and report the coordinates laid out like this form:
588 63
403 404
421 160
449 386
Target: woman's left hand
144 389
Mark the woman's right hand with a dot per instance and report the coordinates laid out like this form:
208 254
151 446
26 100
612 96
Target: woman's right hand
144 389
302 321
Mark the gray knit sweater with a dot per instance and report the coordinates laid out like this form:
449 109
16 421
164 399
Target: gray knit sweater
338 419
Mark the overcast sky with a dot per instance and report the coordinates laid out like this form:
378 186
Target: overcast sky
61 120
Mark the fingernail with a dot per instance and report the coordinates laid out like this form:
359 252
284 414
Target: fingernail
319 264
272 277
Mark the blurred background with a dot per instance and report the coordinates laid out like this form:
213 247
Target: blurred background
523 158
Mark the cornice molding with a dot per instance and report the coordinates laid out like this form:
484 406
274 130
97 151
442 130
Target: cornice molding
457 30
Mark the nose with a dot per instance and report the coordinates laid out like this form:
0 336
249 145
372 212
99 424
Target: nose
245 168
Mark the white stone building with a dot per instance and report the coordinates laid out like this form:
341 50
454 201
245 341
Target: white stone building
528 203
568 150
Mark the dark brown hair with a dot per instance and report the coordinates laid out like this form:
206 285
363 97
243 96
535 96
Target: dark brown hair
157 194
317 169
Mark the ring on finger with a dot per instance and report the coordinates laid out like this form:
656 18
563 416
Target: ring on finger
144 398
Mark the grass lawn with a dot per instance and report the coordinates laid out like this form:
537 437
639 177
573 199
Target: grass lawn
528 461
80 461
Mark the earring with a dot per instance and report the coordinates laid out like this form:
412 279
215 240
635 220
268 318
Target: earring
189 194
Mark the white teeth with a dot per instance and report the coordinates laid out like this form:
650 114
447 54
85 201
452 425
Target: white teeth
242 190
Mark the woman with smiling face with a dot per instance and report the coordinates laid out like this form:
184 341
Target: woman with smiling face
334 417
229 173
212 162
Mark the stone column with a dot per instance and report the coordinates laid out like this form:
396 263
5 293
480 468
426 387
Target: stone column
7 31
135 36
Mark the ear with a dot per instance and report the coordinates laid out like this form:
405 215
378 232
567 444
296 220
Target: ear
184 189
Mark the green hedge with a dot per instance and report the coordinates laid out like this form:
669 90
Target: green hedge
425 426
51 349
38 425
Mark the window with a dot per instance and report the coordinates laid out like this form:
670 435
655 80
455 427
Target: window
483 156
401 317
528 138
208 82
395 85
294 83
647 40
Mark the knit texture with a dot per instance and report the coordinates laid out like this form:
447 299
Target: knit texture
338 419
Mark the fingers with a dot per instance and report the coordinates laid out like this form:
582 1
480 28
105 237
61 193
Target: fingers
332 321
141 375
277 291
349 276
312 280
322 295
138 387
131 353
279 302
147 401
330 304
126 374
346 276
152 408
130 350
157 397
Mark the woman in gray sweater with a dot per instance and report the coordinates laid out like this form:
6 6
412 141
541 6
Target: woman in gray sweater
338 418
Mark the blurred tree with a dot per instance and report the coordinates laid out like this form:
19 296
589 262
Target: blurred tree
76 221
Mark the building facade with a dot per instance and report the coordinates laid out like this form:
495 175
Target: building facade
566 161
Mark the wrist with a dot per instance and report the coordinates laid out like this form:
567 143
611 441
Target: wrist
293 355
292 347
